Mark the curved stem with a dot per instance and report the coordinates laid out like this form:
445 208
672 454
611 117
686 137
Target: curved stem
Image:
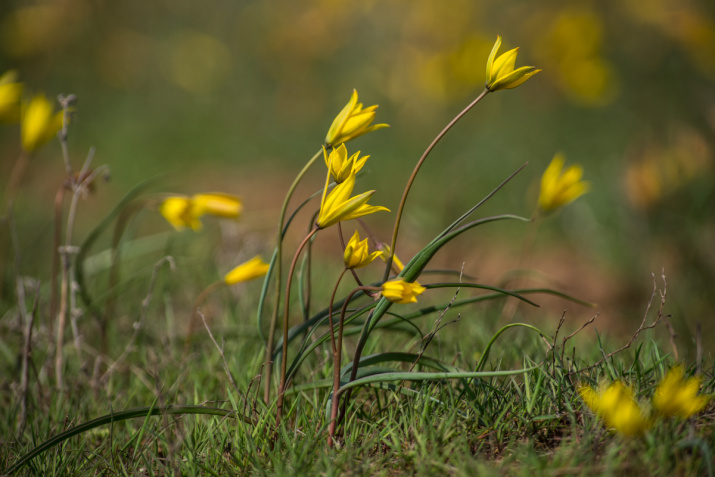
278 272
194 309
434 142
337 357
286 312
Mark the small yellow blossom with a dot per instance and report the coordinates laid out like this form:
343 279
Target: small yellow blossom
357 254
677 396
353 121
338 206
618 408
253 268
39 122
10 93
218 204
182 211
400 291
340 165
501 73
561 188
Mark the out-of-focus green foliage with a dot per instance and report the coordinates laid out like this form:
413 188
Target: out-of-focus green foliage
229 90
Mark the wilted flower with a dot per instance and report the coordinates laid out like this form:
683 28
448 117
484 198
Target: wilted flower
337 205
357 254
249 270
400 291
677 396
501 73
10 93
182 211
340 165
617 406
353 121
39 122
560 188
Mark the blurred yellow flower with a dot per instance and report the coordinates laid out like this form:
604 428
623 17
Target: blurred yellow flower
39 122
182 211
179 212
501 73
561 188
400 291
10 93
340 165
677 396
218 204
337 205
357 253
353 121
616 405
249 270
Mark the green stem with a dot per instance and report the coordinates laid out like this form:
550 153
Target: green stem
286 314
278 272
434 142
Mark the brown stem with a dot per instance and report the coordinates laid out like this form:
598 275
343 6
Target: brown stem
59 200
197 303
284 354
434 142
337 357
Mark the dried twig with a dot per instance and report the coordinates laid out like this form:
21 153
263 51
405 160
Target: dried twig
26 350
220 350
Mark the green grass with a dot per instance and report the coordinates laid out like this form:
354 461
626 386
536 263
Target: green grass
531 423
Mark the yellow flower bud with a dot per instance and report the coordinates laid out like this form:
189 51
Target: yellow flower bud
249 270
340 165
357 254
10 94
501 73
39 123
400 291
338 206
353 121
561 188
677 396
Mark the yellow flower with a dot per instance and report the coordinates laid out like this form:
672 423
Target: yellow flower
400 291
218 204
560 188
677 396
501 73
357 253
337 205
10 93
340 165
351 122
616 405
179 212
39 123
253 268
182 212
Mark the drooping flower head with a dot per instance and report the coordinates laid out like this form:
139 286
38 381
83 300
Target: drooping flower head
357 253
337 205
249 270
39 122
182 211
677 396
559 188
353 121
617 406
501 73
340 165
400 291
10 94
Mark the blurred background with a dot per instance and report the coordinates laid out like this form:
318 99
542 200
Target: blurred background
236 96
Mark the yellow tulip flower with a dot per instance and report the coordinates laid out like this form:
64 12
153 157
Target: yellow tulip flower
617 406
677 396
39 123
10 94
357 254
400 291
218 204
501 73
340 165
353 121
561 188
249 270
337 205
182 211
